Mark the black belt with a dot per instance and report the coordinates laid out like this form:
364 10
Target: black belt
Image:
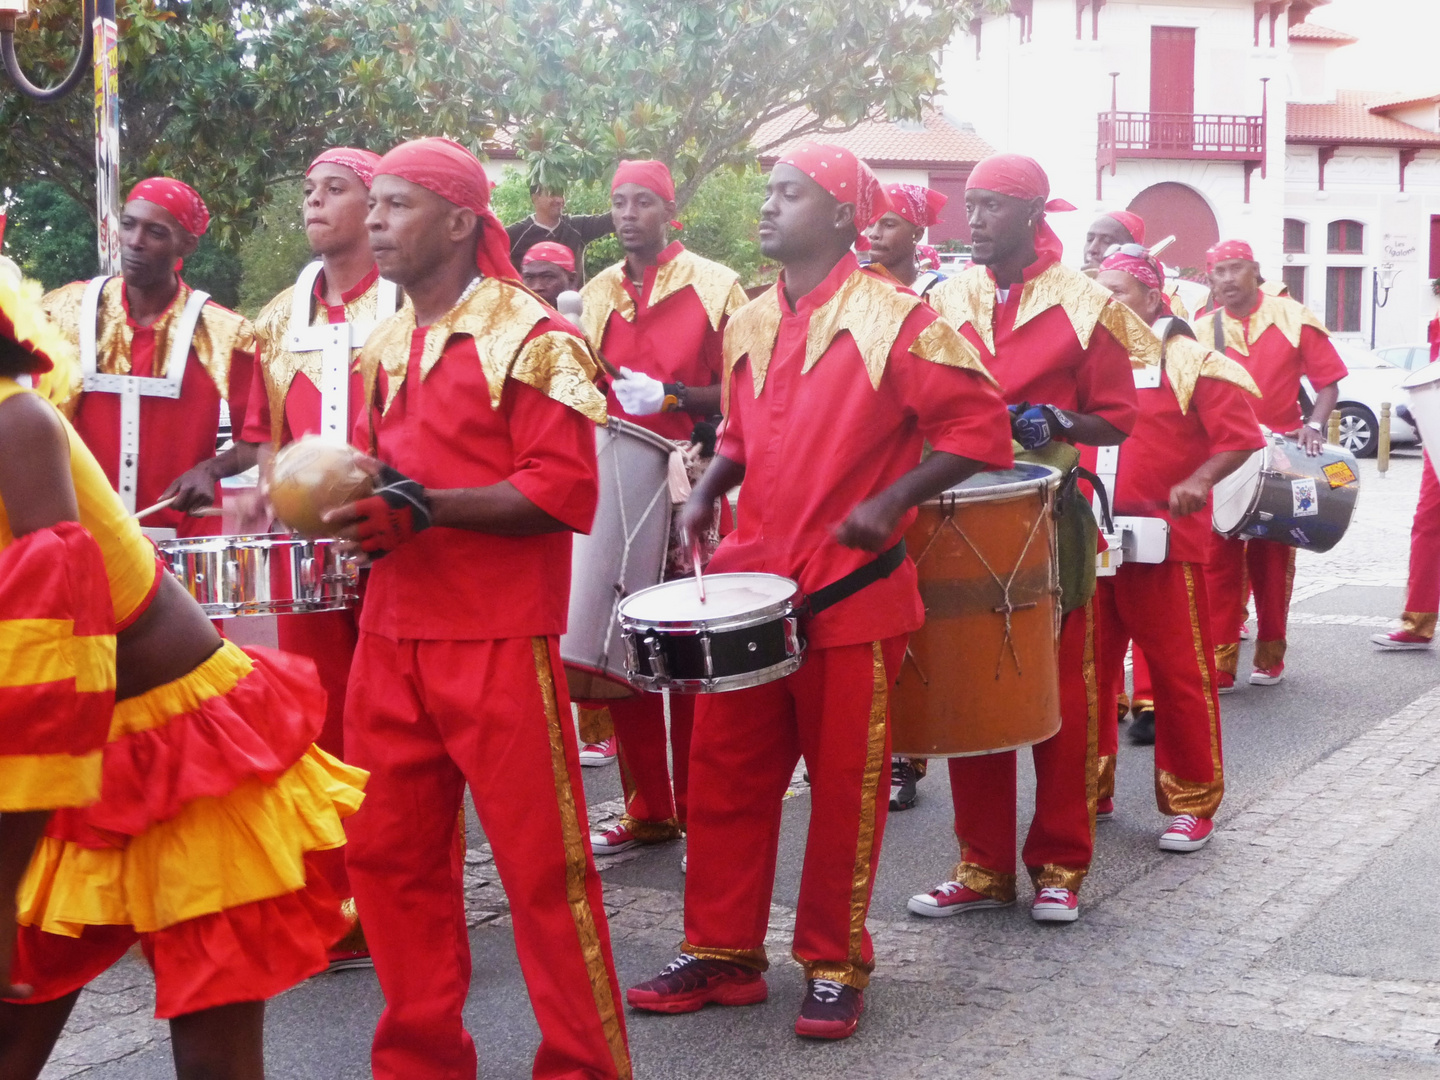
879 568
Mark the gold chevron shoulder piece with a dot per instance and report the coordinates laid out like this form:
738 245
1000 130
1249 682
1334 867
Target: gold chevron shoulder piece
278 366
1082 299
1187 361
388 350
941 343
751 332
713 282
873 312
1131 332
559 365
969 297
603 294
62 306
1177 303
219 335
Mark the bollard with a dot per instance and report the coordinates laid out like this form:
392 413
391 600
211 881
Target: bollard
1382 449
1333 435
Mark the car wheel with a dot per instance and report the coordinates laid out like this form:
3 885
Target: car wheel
1358 431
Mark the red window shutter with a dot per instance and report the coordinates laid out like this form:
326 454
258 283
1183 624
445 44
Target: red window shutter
1435 246
1172 69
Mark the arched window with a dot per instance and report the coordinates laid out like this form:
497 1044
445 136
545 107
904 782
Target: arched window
1294 237
1346 238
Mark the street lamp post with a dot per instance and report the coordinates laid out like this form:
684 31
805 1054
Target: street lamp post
1381 277
100 43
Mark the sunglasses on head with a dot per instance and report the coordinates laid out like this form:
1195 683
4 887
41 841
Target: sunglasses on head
1135 251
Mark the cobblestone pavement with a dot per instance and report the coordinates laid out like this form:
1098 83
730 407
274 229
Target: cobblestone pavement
1283 949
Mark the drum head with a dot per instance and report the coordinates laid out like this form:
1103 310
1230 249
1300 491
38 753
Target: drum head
1235 495
1023 476
615 426
726 596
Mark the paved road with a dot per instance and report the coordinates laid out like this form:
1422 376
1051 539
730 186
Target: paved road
1297 945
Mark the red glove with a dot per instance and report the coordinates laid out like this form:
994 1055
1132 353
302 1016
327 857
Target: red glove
394 514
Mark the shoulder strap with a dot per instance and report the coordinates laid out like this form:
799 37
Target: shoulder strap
89 332
183 336
300 298
387 299
1218 317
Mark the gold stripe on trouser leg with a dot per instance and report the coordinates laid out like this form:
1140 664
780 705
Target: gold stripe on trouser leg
1227 658
1419 623
596 725
1105 786
855 971
979 879
1173 794
1052 875
652 832
575 867
751 958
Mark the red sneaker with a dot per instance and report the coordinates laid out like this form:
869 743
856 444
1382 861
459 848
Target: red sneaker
1267 676
1187 833
951 898
831 1010
688 984
1398 640
1055 905
349 959
595 754
613 841
1104 809
1224 682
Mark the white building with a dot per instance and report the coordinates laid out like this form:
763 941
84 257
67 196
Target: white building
1218 119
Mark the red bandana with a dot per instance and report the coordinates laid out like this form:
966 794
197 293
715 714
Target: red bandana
1228 249
927 257
1142 270
845 177
652 175
456 175
917 205
1021 177
1134 224
181 200
361 162
551 252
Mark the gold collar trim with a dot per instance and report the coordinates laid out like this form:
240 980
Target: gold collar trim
715 285
1289 315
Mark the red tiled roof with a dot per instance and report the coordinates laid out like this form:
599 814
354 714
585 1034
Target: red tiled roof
1390 106
1323 35
1350 121
936 140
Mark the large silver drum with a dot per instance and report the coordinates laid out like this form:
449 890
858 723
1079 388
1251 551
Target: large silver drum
1282 494
624 553
264 574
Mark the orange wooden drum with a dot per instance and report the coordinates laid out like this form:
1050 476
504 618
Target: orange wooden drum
981 675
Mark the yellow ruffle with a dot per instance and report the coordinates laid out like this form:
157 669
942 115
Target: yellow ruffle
216 677
219 853
48 781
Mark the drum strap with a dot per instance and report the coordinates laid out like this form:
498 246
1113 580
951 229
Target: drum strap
881 567
1219 323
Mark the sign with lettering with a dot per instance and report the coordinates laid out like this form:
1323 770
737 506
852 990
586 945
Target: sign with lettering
1399 246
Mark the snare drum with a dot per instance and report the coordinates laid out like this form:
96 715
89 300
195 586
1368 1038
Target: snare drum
982 674
268 574
745 633
624 552
1283 494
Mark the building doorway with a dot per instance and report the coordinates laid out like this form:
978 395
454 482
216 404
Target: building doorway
1181 211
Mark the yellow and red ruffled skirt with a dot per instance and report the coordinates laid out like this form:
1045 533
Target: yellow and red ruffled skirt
212 798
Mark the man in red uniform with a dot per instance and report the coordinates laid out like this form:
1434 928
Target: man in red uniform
1277 340
155 352
304 385
1195 428
485 398
548 270
895 238
659 316
1061 348
835 380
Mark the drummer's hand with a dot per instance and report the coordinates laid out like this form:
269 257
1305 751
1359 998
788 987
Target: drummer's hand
1189 497
697 517
1310 440
638 393
870 525
379 524
192 490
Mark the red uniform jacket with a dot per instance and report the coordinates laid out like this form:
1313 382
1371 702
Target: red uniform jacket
1277 343
829 405
671 328
497 390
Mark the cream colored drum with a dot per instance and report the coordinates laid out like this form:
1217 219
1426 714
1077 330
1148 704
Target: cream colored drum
266 574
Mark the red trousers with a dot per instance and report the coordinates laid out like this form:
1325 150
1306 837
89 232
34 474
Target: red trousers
1422 600
1164 609
328 638
426 717
1271 568
834 712
1061 841
645 764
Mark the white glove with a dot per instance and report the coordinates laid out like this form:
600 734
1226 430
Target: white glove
639 395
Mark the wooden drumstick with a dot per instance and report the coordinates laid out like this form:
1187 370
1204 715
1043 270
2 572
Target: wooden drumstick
161 505
699 577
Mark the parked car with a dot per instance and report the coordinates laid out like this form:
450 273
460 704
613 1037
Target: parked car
1373 380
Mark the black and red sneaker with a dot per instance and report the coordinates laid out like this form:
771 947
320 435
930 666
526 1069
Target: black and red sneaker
689 983
831 1010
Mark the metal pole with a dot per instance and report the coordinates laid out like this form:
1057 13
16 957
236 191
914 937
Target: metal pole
1382 449
1374 301
107 136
